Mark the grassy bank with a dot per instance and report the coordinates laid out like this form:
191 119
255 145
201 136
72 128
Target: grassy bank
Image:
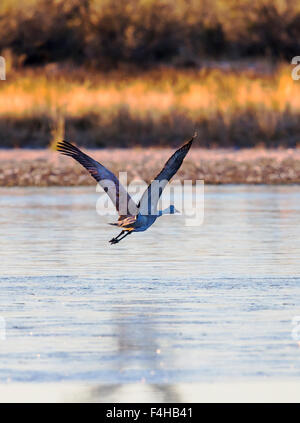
229 107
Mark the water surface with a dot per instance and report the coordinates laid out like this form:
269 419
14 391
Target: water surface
172 305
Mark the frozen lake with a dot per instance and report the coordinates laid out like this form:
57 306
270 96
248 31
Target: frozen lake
173 305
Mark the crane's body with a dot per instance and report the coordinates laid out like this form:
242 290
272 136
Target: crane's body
139 216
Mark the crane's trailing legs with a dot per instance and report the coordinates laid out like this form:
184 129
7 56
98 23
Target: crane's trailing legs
116 240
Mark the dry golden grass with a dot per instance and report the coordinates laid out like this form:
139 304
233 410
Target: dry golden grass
229 108
153 92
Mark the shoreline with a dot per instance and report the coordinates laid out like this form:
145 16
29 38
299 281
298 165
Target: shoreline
42 168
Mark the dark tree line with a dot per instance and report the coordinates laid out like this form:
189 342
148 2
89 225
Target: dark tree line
108 34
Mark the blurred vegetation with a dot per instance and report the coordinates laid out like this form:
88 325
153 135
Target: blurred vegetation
229 108
111 33
112 73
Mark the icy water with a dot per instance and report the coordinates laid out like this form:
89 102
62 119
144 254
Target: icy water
172 305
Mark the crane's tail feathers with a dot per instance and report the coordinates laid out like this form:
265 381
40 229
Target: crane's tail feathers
114 224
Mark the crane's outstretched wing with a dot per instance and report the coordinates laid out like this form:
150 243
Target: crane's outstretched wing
149 200
107 180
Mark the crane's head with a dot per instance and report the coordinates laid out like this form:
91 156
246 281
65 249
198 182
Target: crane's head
169 210
172 209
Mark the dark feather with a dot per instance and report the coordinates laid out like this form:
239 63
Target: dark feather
109 182
149 200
